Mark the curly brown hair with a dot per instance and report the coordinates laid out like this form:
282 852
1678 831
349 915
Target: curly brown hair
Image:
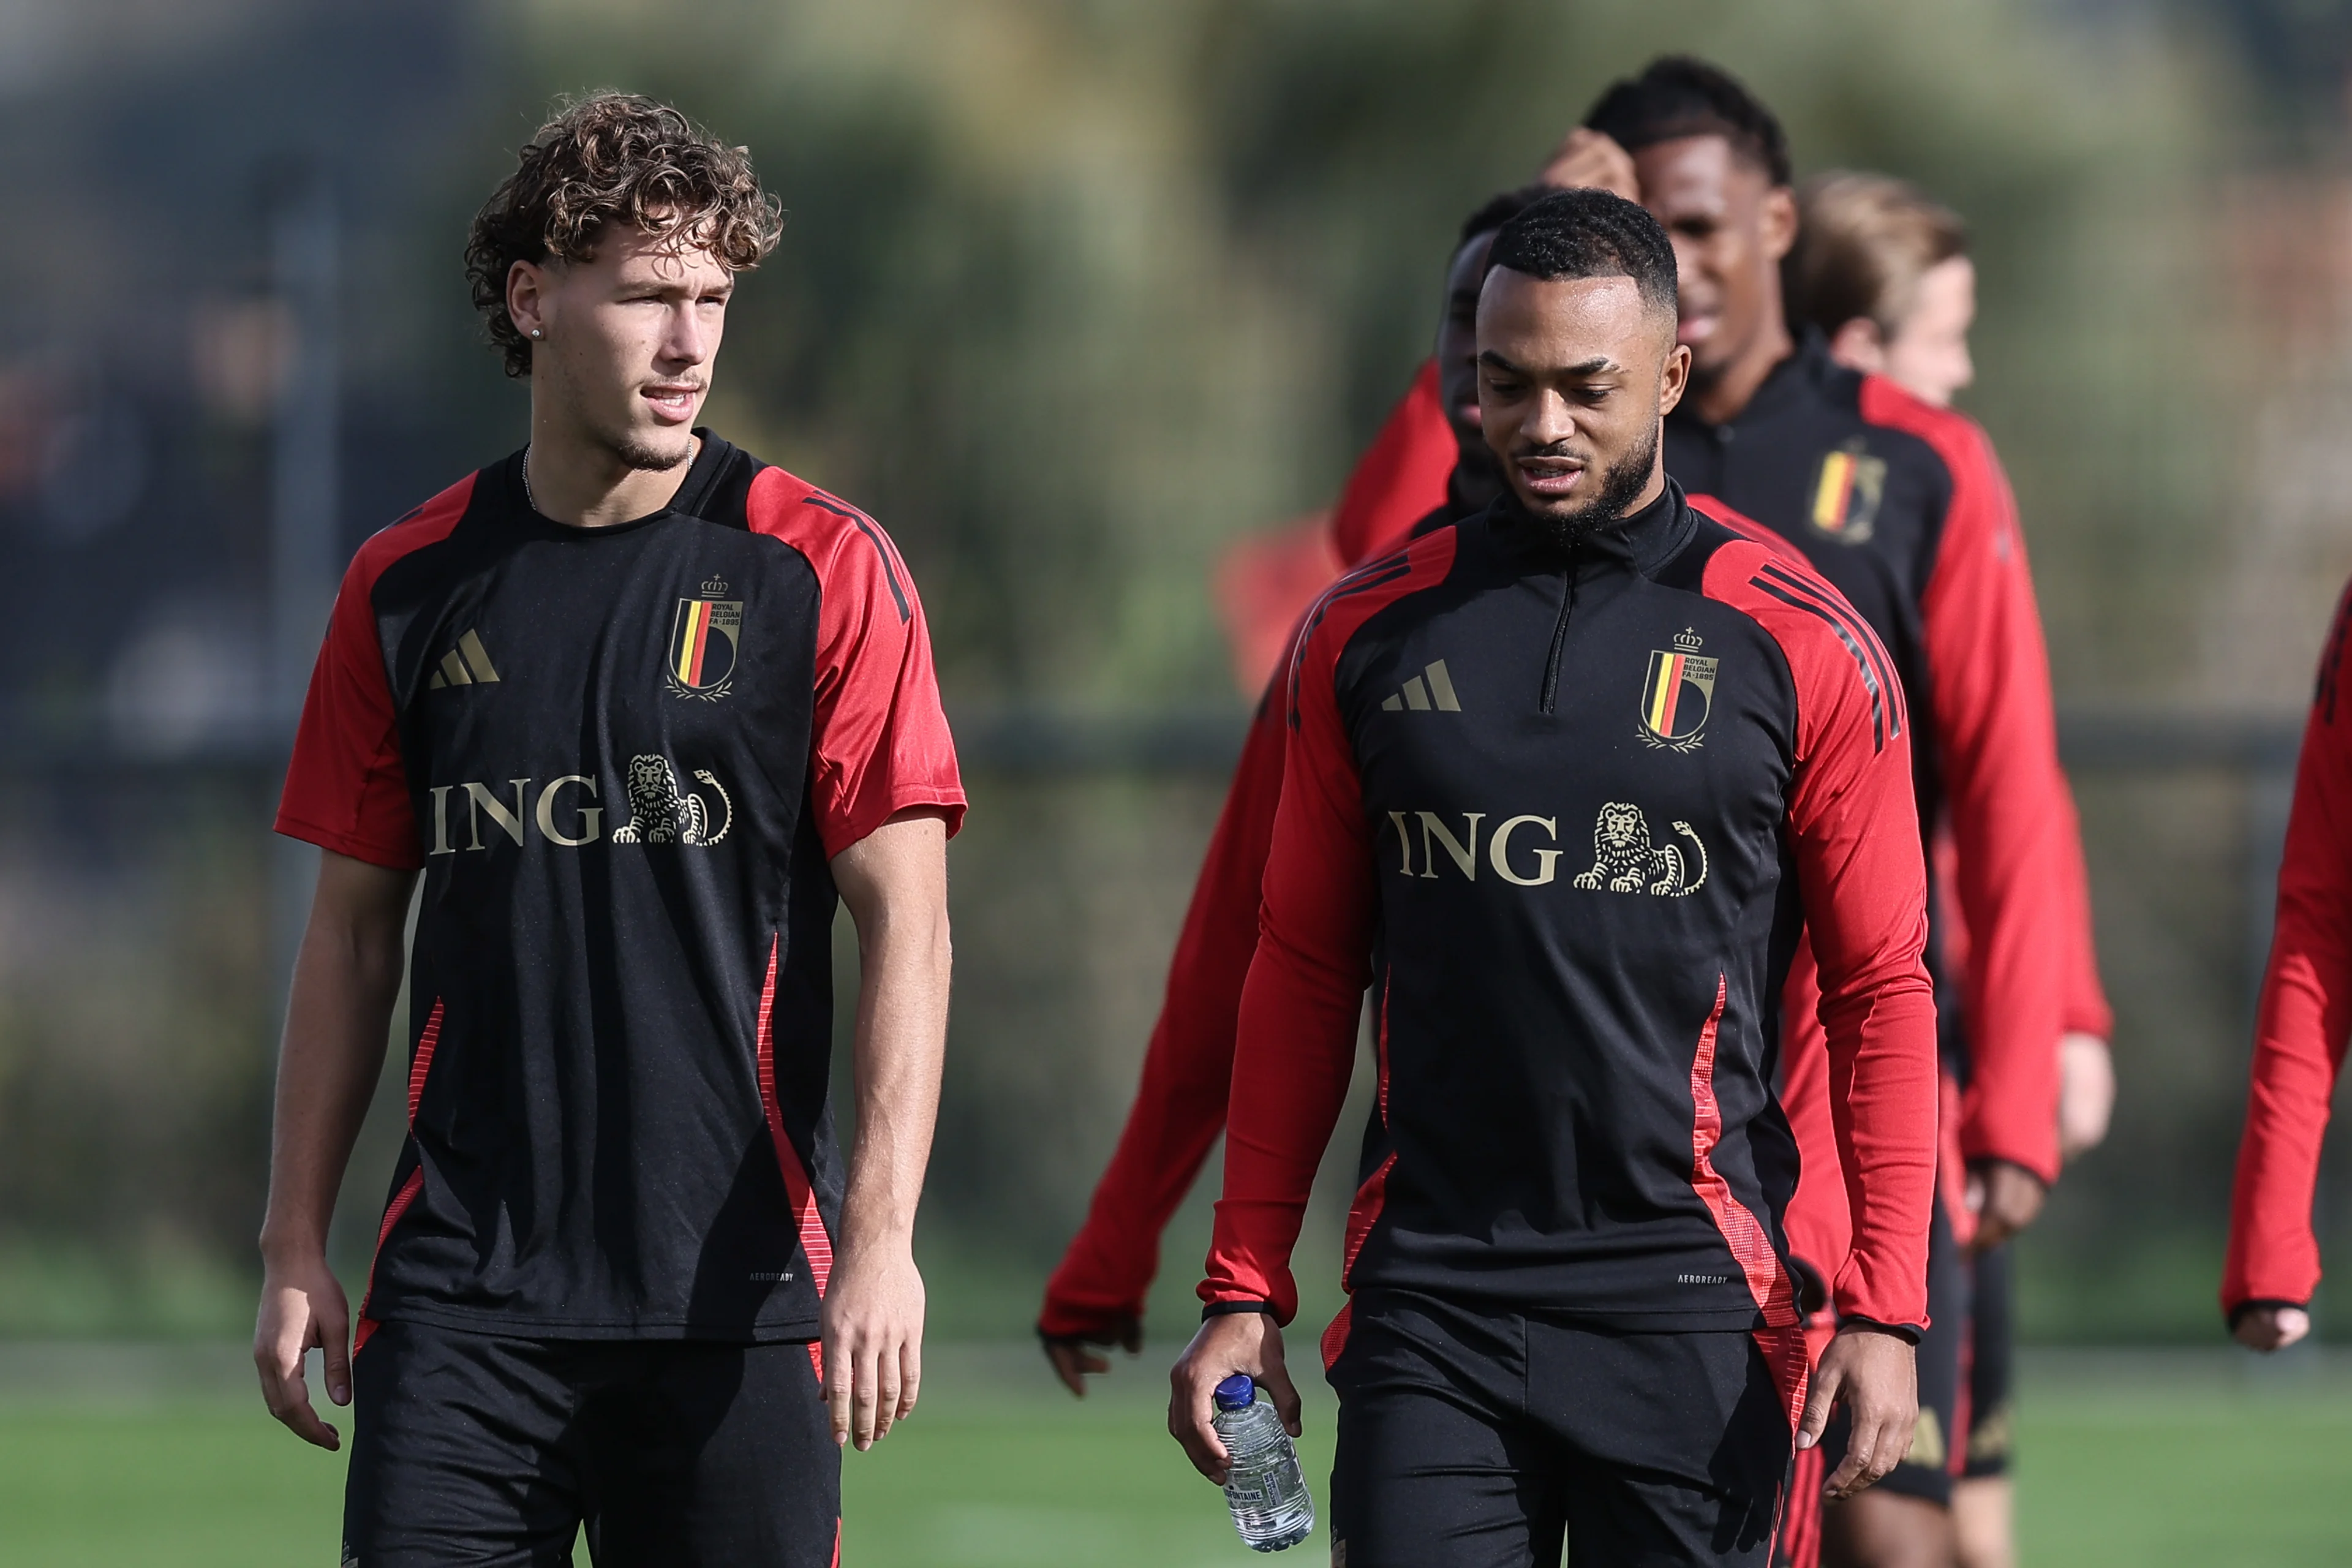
615 157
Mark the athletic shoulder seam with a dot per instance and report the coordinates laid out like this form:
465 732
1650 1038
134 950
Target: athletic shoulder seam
1788 586
1397 567
426 524
776 526
1958 442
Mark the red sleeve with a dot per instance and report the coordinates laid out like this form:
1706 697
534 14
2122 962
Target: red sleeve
1996 743
1296 1038
1402 476
880 742
2305 1015
1262 584
346 789
1853 833
1180 1108
1819 1223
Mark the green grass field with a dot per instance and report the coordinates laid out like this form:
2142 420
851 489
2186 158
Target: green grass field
2149 1459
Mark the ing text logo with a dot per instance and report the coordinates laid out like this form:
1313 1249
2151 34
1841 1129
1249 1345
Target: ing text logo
567 811
1522 851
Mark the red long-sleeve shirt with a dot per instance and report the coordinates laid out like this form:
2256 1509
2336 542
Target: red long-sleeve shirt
1904 508
2305 1012
2019 879
1180 1105
1402 476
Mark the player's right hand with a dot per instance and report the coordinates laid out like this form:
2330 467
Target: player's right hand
1075 1356
2268 1329
1589 159
1236 1342
303 1307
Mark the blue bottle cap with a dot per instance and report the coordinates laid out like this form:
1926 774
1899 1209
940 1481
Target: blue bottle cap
1236 1393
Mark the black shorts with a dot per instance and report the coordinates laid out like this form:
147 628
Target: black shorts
495 1453
1470 1437
1990 1374
1927 1471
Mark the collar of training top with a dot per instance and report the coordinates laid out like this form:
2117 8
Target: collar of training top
1792 381
687 500
1643 539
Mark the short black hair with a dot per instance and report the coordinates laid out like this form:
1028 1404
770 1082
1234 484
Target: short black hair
1499 209
1590 234
1677 96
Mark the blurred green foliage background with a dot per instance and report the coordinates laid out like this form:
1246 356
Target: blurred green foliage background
1074 294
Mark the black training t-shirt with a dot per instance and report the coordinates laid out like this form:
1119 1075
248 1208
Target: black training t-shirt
623 758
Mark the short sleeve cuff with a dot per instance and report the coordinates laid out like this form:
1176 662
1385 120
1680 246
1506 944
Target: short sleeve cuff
375 852
872 813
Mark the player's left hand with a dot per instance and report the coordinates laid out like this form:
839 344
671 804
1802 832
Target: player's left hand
1874 1372
873 1341
2005 1199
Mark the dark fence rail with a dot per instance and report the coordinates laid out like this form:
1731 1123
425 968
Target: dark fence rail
2160 740
1027 741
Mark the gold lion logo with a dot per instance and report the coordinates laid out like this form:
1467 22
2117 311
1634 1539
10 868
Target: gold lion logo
661 813
1625 861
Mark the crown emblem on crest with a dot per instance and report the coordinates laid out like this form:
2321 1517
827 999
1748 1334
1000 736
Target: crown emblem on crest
1688 640
714 586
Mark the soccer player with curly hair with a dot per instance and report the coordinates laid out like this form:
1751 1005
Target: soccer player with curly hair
642 711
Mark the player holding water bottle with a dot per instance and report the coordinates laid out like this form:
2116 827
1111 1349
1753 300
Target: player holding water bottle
1570 1322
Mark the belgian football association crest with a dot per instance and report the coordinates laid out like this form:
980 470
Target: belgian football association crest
703 643
1677 694
1846 494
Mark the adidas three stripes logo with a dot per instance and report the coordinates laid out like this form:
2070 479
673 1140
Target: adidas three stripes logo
1433 687
467 664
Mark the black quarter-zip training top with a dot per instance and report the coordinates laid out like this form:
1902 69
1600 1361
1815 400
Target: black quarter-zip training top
1565 812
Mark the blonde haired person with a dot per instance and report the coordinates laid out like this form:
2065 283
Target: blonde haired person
1883 272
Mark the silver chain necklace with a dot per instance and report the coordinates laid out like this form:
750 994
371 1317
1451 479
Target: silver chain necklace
526 496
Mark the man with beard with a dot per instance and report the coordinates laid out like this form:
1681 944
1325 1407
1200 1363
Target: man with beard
1572 1318
1096 1297
1904 507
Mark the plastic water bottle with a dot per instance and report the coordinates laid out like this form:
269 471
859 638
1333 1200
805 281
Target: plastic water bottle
1268 1497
